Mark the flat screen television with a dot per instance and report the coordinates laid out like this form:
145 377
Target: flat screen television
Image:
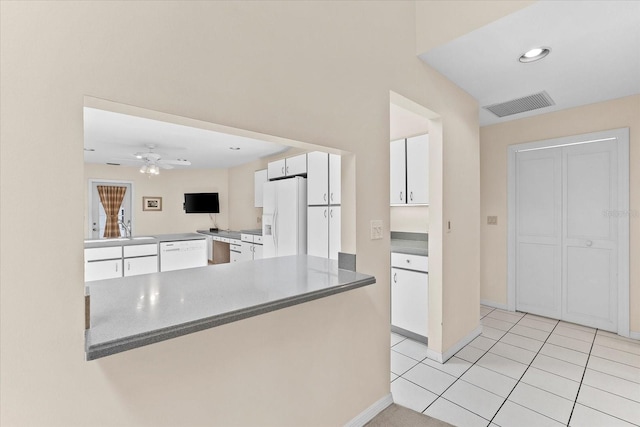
201 203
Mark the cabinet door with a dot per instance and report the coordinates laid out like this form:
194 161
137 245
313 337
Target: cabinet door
418 170
410 300
335 234
98 270
296 165
317 178
335 179
318 231
246 253
257 251
259 178
140 265
276 169
398 171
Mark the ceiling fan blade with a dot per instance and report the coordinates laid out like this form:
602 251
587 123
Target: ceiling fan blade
164 166
178 162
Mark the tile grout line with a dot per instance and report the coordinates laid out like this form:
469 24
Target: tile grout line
522 376
472 365
457 378
582 379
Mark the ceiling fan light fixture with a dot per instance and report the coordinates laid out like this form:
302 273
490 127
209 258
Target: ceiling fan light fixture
534 54
143 169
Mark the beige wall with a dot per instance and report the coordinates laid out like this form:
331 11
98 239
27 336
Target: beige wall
318 72
413 219
624 112
171 186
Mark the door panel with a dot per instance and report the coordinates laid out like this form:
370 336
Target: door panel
334 231
538 224
590 235
538 278
318 178
589 297
410 301
318 231
418 169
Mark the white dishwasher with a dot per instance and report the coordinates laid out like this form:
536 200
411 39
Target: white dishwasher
182 254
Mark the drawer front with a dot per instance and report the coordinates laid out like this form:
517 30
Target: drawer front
246 237
140 250
237 247
257 239
95 254
410 262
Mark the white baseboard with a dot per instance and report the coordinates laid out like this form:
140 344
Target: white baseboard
443 357
494 304
634 335
369 413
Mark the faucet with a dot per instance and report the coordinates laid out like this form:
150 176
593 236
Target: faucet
127 227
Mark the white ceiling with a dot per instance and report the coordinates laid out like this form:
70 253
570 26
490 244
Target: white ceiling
595 56
115 137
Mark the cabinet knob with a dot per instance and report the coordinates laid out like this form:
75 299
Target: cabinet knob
325 197
287 170
325 213
395 278
331 213
283 170
332 197
408 261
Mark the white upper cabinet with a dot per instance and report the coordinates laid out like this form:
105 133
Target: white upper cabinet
296 165
409 171
291 166
276 169
259 178
398 173
418 170
318 178
335 180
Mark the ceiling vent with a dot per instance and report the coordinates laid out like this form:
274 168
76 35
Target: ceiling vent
520 105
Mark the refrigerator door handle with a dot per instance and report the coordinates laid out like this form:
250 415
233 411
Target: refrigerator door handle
275 230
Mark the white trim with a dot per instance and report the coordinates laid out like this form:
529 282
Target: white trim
443 357
493 304
622 137
634 335
368 414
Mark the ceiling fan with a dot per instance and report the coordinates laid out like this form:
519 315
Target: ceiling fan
153 162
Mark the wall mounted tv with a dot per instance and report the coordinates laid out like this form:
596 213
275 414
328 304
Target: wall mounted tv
201 203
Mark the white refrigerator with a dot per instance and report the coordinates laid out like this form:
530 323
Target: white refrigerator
284 217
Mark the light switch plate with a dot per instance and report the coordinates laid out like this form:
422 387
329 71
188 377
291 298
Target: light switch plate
376 229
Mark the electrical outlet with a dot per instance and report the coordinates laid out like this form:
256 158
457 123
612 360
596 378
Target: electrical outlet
376 229
492 220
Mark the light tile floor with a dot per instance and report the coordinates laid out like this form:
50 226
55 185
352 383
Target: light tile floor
524 370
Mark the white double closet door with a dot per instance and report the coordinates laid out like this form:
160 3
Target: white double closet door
566 249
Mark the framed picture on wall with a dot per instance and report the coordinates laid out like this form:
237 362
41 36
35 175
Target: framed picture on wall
152 203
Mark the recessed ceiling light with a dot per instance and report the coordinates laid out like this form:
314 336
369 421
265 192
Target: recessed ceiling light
234 148
534 54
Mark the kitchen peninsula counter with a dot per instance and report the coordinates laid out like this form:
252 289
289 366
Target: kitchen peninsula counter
131 312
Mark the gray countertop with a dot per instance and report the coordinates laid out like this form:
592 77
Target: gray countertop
141 240
131 312
229 234
410 243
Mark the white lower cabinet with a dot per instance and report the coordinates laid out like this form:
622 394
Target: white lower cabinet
410 294
251 247
140 265
105 269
